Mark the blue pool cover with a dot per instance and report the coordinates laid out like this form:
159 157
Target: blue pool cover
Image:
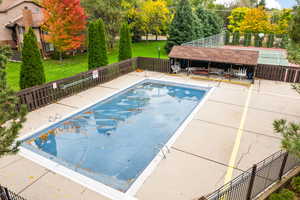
114 140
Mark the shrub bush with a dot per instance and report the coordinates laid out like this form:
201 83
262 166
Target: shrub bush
125 49
247 39
270 42
294 53
32 69
236 38
227 37
296 184
284 194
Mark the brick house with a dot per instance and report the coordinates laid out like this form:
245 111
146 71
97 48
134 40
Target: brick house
16 16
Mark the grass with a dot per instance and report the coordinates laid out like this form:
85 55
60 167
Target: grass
55 70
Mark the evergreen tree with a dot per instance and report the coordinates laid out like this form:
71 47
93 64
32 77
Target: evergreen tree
125 49
211 23
102 43
32 70
184 27
262 3
97 56
11 119
227 37
236 38
270 41
92 51
247 39
295 27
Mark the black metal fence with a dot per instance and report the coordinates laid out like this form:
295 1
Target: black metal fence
6 194
257 179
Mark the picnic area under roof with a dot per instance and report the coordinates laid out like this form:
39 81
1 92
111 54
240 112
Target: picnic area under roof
232 56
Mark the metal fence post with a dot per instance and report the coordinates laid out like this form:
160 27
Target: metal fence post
283 165
251 183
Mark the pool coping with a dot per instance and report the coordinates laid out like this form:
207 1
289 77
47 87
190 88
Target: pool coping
96 185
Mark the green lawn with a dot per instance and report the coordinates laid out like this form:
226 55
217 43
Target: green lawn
55 70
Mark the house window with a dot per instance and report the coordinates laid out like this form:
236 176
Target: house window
49 47
37 10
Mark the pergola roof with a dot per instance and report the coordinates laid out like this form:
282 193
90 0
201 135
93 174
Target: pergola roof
232 56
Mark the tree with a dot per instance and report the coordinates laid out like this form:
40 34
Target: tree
11 118
290 131
236 18
32 69
110 11
184 27
211 23
256 20
281 21
295 27
125 49
155 16
97 56
262 3
65 22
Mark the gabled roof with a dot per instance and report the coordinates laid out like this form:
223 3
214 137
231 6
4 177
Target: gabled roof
37 22
232 56
6 5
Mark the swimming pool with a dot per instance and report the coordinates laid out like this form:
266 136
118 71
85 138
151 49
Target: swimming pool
114 140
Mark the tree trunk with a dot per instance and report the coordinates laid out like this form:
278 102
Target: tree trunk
156 36
60 56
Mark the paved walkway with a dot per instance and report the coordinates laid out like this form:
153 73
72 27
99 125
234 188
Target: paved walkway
232 131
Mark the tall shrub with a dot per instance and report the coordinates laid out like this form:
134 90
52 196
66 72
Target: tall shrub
11 118
247 39
125 49
236 38
258 40
92 53
227 37
184 26
211 23
295 27
97 45
284 41
270 42
32 69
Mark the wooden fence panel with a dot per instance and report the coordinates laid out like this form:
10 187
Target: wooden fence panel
278 73
39 96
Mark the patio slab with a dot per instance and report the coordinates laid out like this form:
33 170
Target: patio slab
195 139
262 122
182 176
59 188
122 82
254 148
280 104
21 174
220 113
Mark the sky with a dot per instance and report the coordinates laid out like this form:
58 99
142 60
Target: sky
279 4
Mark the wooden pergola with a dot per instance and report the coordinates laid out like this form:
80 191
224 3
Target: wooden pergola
216 61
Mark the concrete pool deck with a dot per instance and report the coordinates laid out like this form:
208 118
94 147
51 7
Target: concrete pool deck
199 159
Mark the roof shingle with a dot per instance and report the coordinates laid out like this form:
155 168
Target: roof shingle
231 56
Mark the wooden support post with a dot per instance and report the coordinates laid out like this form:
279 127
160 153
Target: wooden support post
296 76
286 73
252 178
283 165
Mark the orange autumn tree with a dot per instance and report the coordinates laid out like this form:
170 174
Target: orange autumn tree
256 20
65 22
